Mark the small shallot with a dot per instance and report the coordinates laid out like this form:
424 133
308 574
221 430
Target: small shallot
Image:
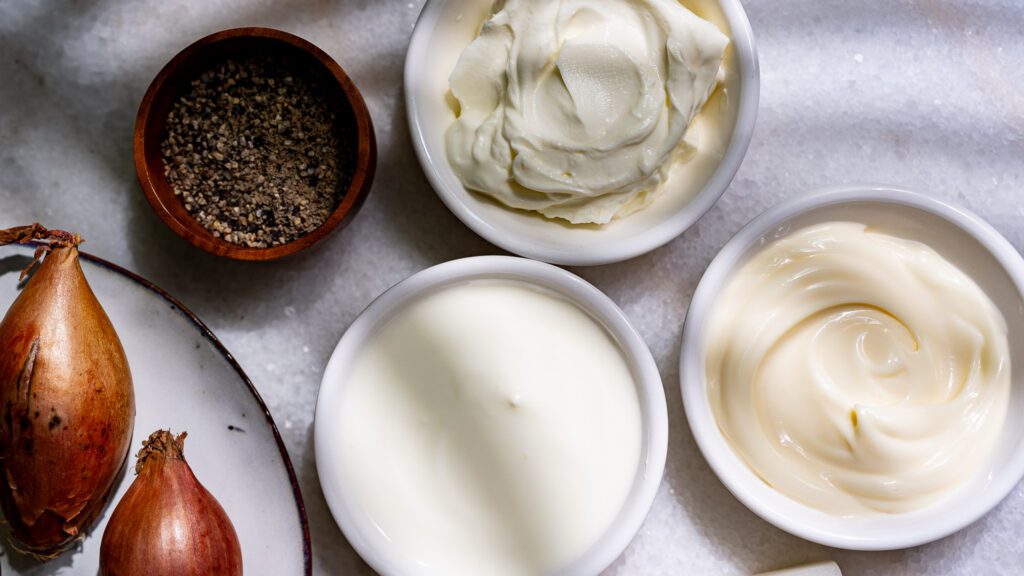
167 524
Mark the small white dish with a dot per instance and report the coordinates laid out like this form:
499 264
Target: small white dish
185 380
959 236
446 27
367 540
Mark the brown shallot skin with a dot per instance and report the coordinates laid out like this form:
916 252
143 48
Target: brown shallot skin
168 524
67 402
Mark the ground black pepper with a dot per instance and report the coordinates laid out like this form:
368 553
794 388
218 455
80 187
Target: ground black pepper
257 152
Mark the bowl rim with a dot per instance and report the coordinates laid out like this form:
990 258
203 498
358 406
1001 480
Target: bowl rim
728 467
650 394
193 232
645 241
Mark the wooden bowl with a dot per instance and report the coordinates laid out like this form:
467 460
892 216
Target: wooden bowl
207 53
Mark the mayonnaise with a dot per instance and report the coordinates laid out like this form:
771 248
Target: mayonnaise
858 372
576 109
490 428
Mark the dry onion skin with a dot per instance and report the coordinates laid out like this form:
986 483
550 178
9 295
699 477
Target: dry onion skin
168 524
67 400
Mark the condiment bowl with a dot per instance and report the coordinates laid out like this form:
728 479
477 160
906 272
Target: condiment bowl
364 536
446 27
207 52
961 238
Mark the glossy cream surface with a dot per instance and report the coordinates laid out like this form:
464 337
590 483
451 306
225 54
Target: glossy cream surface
490 428
858 372
578 109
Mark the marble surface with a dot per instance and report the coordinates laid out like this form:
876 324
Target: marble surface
925 94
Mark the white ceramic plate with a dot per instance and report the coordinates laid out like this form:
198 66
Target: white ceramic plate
446 27
186 380
961 238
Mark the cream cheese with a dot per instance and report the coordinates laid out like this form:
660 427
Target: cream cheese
490 428
858 372
577 109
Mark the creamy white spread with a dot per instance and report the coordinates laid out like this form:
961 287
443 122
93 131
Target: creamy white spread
490 428
858 372
577 108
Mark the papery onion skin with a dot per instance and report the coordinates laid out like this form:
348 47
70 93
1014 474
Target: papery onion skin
67 402
168 524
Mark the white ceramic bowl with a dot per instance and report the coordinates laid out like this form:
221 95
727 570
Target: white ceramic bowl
446 27
959 236
361 533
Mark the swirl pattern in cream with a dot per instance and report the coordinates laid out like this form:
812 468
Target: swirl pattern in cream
858 372
577 109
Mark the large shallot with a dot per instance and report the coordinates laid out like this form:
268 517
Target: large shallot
167 524
66 396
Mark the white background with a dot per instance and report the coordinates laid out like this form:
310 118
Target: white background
927 95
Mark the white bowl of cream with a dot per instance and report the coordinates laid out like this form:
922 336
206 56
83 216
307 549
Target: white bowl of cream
850 367
491 415
605 136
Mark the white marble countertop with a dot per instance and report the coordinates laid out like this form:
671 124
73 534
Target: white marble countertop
925 94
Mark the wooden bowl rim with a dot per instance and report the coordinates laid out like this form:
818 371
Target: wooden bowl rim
194 232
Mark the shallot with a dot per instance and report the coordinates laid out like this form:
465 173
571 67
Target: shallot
66 396
168 524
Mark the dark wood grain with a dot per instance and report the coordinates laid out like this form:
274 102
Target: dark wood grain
202 55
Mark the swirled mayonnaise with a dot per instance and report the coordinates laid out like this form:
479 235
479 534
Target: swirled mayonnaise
858 372
576 109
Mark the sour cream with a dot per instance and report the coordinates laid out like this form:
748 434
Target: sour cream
858 372
490 428
577 109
